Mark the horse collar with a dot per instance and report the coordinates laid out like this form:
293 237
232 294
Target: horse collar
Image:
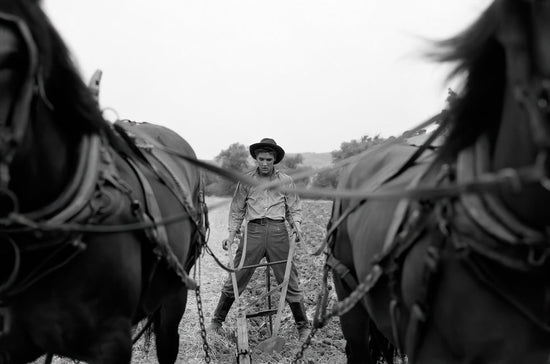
77 193
495 217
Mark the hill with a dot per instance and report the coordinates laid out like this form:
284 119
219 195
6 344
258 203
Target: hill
316 160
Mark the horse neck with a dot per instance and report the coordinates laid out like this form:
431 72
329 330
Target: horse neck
43 164
514 148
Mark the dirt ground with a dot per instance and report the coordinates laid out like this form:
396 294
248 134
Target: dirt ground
328 343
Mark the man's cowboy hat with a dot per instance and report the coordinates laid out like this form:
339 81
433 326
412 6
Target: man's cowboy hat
269 144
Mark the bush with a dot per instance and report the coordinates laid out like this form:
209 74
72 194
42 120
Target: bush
326 179
234 158
354 147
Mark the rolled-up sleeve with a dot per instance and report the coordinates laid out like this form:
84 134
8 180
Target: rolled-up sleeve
293 204
237 210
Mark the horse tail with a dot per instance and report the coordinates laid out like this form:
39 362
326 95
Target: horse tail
145 332
380 348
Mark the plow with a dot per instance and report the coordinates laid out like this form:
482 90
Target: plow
274 343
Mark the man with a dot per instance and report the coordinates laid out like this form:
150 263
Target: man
267 235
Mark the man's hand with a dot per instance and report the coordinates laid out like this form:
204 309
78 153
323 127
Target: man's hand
229 240
298 231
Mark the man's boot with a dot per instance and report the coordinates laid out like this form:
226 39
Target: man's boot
300 317
224 304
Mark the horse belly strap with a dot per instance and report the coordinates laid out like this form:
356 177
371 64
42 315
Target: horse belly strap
344 274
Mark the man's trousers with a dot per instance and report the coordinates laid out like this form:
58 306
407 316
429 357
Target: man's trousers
265 238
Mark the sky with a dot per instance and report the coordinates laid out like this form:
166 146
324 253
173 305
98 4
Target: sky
310 74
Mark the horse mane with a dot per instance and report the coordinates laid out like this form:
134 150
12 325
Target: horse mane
478 54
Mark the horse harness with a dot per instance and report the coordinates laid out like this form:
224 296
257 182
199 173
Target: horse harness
472 226
12 131
95 193
172 174
477 227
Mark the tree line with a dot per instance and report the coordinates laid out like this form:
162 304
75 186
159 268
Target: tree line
237 158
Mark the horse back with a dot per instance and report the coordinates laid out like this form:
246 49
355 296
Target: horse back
159 146
369 222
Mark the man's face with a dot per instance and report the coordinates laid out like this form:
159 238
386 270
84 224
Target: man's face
265 163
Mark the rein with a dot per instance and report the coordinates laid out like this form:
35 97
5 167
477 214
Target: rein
19 223
11 133
514 178
485 182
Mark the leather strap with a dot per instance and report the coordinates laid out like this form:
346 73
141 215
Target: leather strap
158 233
344 274
80 189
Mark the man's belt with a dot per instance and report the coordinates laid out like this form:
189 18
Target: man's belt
266 220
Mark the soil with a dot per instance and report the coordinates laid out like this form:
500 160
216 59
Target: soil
328 343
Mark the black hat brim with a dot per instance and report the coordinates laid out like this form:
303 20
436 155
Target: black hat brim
279 152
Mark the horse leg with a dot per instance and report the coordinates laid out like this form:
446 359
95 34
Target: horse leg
18 350
166 325
353 322
114 345
27 357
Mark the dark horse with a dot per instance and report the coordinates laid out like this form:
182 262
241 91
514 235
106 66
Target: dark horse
457 270
85 251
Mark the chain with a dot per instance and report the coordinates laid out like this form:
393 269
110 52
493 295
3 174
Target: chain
305 345
342 307
338 309
201 323
320 317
